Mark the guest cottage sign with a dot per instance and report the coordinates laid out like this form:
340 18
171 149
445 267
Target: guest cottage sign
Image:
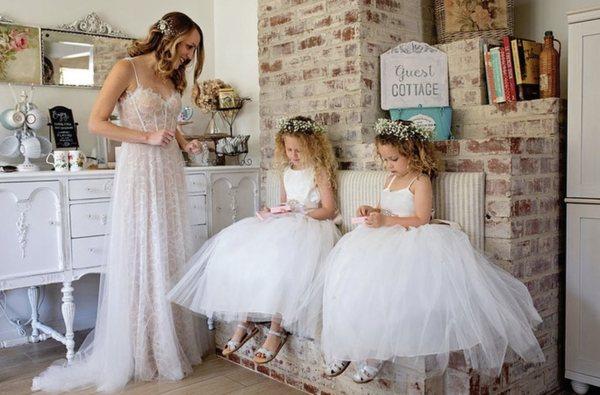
412 75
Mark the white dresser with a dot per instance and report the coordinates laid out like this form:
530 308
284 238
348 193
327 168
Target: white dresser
582 340
53 227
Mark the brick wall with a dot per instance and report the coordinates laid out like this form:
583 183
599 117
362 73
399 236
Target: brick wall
524 166
321 58
520 147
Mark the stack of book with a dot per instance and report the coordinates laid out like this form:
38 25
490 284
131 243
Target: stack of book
512 69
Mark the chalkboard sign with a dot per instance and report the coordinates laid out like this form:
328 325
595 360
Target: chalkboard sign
412 75
64 127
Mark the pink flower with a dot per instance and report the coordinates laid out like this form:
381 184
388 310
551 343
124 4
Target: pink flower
18 40
482 18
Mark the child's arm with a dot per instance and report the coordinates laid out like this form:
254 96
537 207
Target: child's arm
328 205
423 203
282 194
364 211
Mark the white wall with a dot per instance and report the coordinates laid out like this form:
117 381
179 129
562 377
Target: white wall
133 18
534 17
236 61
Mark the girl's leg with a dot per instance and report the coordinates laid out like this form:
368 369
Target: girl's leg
243 332
273 343
240 331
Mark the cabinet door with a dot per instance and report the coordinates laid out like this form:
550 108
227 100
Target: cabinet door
233 196
583 161
31 223
583 290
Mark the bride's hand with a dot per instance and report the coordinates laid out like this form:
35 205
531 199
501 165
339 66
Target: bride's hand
192 147
161 138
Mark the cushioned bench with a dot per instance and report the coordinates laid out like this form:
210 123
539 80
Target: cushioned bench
458 197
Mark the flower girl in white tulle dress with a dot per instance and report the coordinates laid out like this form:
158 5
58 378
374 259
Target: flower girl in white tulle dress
398 287
258 268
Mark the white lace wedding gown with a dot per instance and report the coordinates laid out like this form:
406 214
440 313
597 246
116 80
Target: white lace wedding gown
139 334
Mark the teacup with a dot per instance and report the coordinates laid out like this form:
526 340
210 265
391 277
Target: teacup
60 160
31 148
76 160
35 119
12 119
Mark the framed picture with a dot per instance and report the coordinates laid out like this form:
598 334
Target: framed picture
227 98
462 19
20 54
470 15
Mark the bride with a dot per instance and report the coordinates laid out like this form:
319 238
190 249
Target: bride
139 334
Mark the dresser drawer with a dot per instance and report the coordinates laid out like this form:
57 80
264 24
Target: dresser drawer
89 219
196 183
90 189
88 251
197 209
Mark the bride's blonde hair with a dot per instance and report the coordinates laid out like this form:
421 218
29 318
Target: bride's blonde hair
163 38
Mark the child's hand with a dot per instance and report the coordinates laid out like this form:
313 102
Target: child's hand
364 211
375 219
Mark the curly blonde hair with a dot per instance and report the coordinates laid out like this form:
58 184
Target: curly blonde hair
420 153
164 45
316 150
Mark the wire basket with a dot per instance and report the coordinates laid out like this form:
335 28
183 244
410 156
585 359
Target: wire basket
234 146
474 18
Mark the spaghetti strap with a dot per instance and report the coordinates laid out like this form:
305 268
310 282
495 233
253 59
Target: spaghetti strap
137 80
412 182
390 183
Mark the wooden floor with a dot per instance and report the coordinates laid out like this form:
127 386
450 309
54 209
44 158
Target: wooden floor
18 365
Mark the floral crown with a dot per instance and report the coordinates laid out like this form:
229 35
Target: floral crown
164 26
402 130
293 125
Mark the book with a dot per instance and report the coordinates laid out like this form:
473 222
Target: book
510 85
497 73
526 60
489 77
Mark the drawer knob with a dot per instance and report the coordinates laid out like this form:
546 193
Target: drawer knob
92 250
54 222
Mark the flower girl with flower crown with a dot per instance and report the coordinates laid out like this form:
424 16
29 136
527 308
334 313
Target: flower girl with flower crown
399 287
258 268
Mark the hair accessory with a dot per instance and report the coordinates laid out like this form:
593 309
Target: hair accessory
293 125
165 27
401 129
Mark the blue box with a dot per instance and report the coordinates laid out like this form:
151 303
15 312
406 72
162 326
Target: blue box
436 119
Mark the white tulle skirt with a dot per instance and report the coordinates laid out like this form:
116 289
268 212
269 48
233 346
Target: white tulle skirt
256 269
393 293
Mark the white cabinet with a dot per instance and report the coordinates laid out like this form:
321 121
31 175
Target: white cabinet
583 293
32 228
54 226
583 146
582 340
234 196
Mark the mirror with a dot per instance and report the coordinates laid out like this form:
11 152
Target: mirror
79 59
81 53
77 54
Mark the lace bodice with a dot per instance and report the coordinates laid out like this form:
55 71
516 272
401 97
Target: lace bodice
400 202
146 110
300 186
